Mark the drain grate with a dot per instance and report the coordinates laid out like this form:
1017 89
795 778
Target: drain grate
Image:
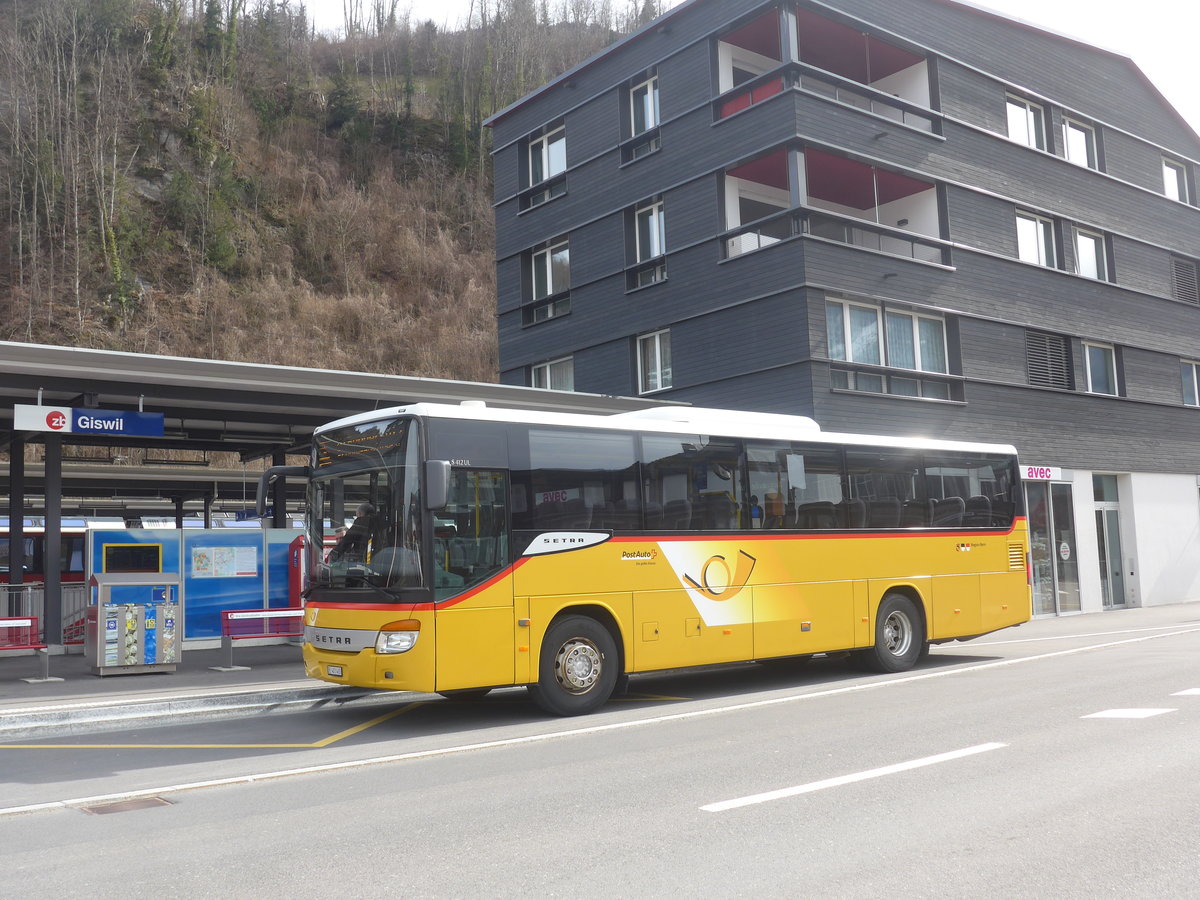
120 806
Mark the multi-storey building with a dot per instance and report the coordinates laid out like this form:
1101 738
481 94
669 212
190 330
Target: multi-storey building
895 216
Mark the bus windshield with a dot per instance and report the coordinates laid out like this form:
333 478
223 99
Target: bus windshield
365 510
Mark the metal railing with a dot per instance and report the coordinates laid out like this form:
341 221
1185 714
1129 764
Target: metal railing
791 222
30 600
830 86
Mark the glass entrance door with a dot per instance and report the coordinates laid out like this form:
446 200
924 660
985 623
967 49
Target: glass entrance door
1108 537
1052 544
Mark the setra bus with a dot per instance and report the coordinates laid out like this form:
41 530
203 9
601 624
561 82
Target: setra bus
487 547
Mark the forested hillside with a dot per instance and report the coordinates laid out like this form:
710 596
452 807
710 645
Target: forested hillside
211 178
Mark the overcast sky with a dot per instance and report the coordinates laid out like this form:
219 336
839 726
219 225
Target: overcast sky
1159 35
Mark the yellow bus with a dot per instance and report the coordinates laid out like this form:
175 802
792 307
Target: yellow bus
479 547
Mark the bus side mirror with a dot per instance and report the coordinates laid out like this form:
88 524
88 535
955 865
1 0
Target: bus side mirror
437 483
267 479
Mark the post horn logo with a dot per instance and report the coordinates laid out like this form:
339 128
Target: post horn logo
715 580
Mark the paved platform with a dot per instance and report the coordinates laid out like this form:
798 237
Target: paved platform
273 681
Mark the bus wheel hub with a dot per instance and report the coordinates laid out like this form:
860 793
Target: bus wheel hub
578 666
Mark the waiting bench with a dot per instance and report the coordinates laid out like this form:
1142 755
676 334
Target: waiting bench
23 633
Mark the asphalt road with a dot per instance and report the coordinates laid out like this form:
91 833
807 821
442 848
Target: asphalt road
1059 759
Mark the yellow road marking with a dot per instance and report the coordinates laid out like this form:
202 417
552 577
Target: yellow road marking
315 745
333 739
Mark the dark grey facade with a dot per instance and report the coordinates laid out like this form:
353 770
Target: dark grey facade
894 216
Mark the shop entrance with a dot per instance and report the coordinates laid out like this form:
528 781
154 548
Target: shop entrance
1108 537
1053 548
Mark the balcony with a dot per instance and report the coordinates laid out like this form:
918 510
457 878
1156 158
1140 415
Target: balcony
834 61
846 201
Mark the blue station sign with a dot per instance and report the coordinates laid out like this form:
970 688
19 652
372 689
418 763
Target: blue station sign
65 420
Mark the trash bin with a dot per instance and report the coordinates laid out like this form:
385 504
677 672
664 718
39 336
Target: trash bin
139 632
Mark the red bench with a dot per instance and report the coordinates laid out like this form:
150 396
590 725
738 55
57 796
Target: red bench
239 624
23 633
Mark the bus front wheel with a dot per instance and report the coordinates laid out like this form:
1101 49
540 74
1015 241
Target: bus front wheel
577 671
899 636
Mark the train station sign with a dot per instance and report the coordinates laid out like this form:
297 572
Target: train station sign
66 420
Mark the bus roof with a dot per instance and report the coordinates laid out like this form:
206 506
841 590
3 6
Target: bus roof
668 420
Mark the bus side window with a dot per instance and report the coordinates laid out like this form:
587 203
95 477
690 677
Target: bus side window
889 482
695 480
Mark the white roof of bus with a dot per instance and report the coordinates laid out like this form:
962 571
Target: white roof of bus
669 420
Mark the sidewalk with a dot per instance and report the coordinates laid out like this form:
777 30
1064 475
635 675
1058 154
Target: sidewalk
83 702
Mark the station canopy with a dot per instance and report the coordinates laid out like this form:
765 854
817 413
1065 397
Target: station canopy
259 412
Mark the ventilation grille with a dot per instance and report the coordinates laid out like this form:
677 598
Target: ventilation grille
1049 360
1016 556
1184 284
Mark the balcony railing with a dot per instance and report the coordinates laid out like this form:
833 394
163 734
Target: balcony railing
825 84
856 232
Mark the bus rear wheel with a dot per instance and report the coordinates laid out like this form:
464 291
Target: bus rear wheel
577 671
899 636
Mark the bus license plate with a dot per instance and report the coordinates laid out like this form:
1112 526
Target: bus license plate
335 671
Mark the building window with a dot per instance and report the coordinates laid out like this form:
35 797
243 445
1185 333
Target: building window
550 308
1175 181
1091 256
643 105
1184 284
1080 143
1026 123
654 361
873 336
643 118
556 375
1101 362
649 245
1035 240
1191 383
650 230
547 167
547 156
1048 360
550 270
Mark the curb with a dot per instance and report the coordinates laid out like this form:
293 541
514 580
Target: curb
85 718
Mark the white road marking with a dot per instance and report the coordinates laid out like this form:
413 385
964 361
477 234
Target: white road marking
1068 637
874 684
1190 692
1127 713
850 779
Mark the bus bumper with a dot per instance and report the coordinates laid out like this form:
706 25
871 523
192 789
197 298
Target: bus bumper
411 671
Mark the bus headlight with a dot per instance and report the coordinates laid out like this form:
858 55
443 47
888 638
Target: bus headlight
398 637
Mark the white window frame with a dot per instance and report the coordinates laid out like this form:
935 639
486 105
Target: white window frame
550 150
1175 181
1032 119
1045 252
659 378
1190 372
1099 259
648 103
920 364
542 260
1091 152
1111 359
543 374
652 213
